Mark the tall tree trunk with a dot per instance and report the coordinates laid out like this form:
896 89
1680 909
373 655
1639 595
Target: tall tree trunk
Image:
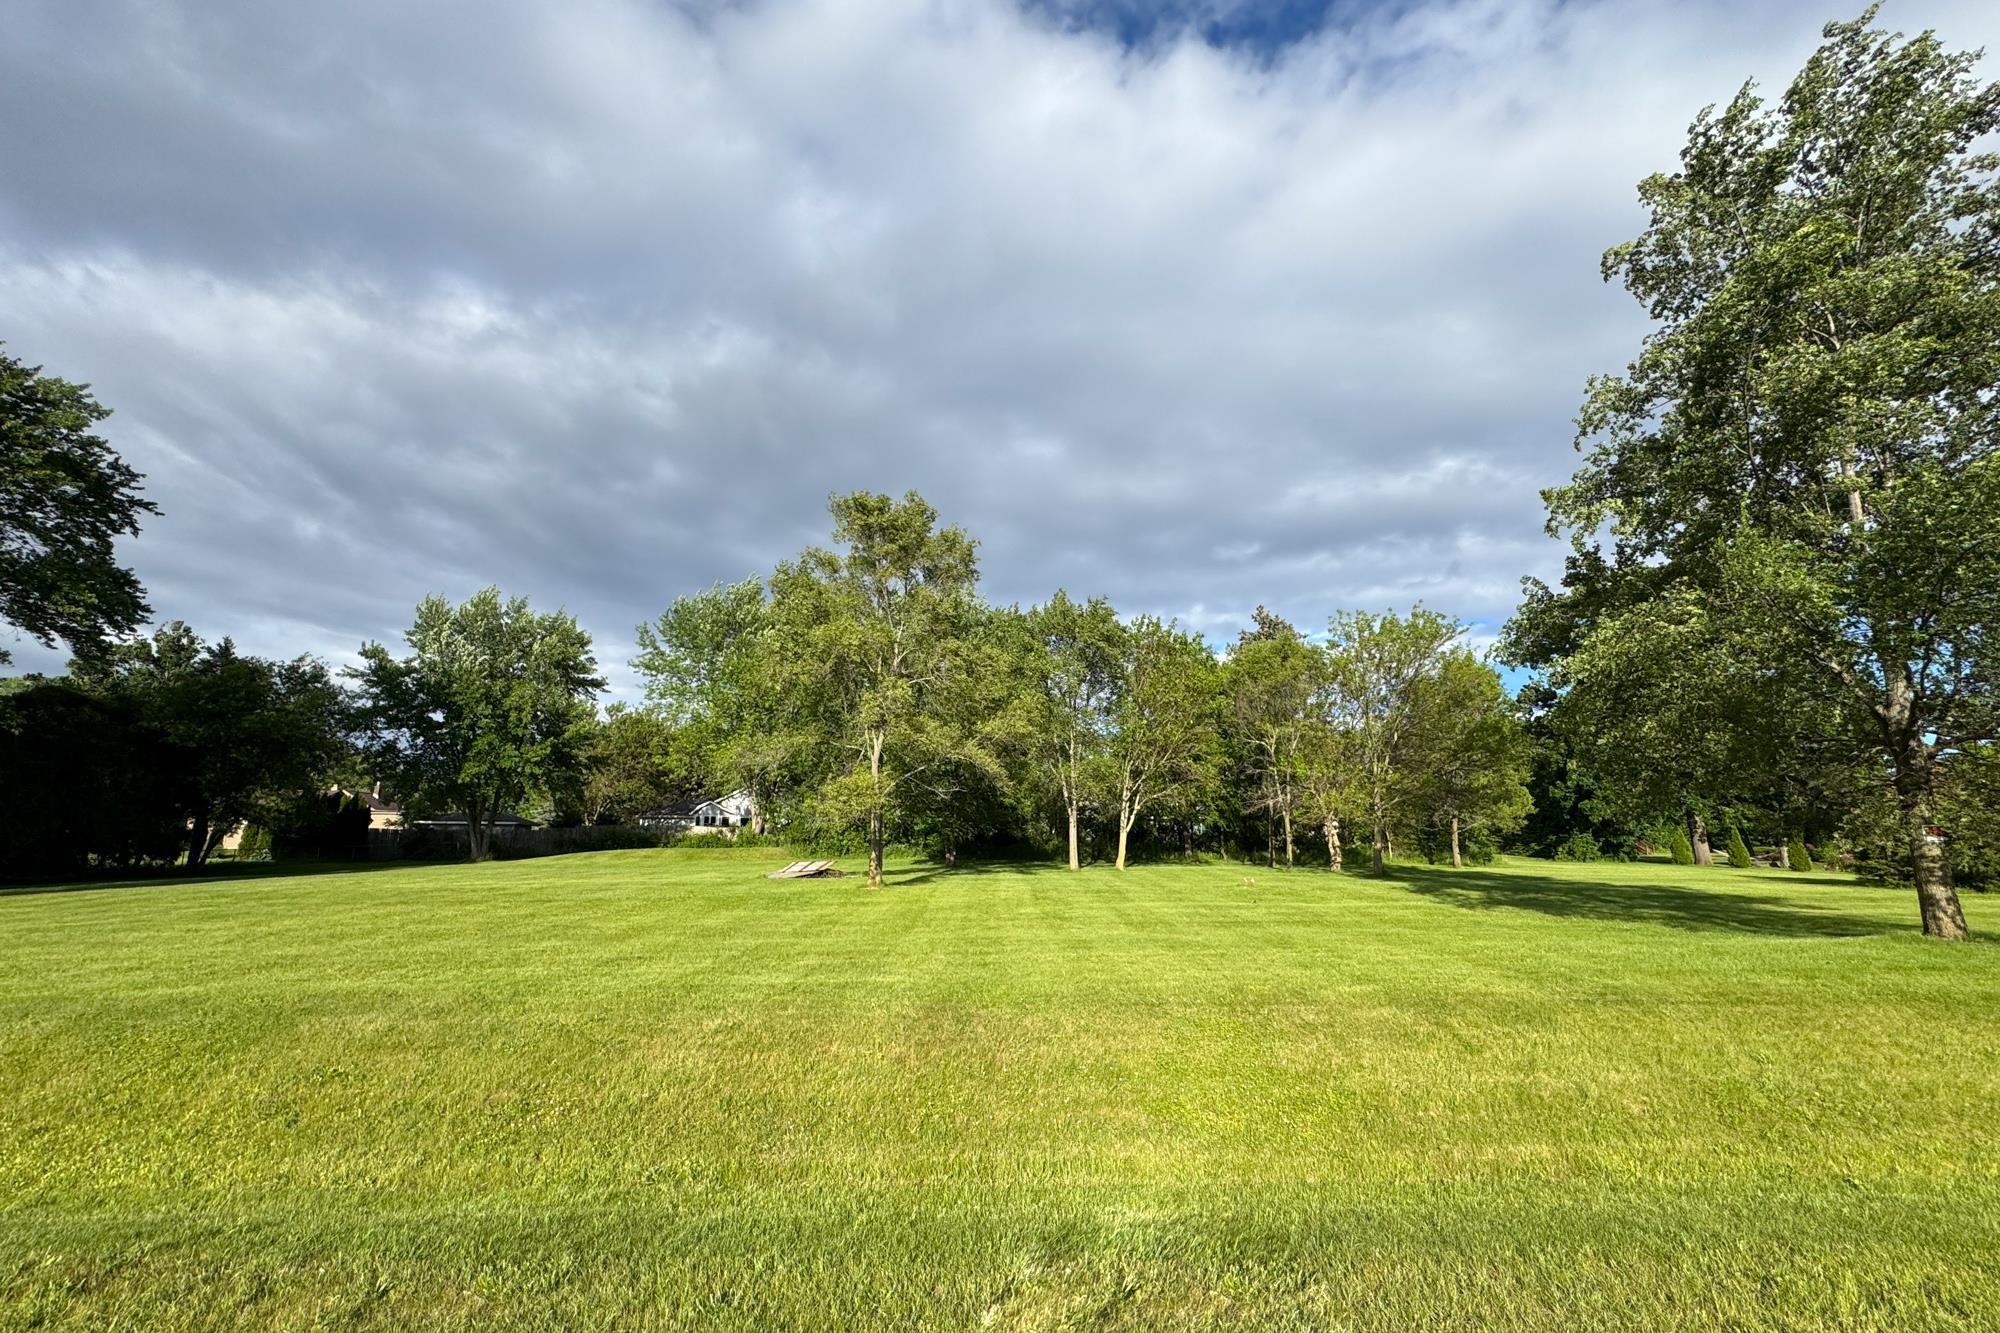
1937 899
197 845
1381 843
1288 835
875 812
1124 831
475 830
1698 839
1332 828
1075 862
1455 862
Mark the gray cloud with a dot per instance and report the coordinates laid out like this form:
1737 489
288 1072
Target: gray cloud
598 301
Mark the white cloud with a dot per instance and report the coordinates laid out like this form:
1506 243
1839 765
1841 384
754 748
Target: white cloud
600 300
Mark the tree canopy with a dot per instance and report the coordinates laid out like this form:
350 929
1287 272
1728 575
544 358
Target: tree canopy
1803 452
65 499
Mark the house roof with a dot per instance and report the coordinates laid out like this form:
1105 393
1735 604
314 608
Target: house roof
689 808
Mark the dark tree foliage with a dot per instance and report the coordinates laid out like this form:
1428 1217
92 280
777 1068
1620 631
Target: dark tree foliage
248 735
65 498
86 782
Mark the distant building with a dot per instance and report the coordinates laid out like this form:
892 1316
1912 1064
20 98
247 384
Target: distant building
382 813
712 814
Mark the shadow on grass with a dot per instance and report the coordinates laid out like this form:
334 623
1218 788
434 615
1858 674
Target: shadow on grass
228 873
1651 904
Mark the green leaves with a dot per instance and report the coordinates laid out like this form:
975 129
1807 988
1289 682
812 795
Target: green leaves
65 498
1786 525
494 704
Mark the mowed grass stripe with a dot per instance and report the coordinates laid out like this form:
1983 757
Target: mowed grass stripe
632 1089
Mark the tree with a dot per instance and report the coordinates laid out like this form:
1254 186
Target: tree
877 649
1739 855
81 780
1471 755
1331 786
494 703
1272 678
1797 857
1648 711
1808 436
709 672
1165 711
1073 658
65 499
1683 854
627 766
249 736
1378 663
1568 809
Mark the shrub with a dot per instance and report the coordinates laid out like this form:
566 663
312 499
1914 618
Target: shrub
1797 854
1682 848
1739 855
1579 847
255 844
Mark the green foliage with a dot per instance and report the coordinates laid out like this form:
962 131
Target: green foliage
1469 756
1165 749
1273 678
65 499
251 735
493 706
1376 669
1682 849
1583 847
255 844
87 782
629 767
1797 856
1787 525
878 655
1071 654
1739 854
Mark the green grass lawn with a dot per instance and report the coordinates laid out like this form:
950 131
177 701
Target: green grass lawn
653 1089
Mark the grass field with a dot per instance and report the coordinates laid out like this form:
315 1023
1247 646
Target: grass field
652 1089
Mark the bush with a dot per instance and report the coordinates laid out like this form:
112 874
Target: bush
1579 847
1739 855
1682 848
1797 854
255 844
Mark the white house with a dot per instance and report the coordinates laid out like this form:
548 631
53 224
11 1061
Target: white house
717 813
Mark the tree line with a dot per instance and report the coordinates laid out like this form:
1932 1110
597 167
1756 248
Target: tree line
1774 619
868 687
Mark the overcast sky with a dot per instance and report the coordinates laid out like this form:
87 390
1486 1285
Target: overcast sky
1197 307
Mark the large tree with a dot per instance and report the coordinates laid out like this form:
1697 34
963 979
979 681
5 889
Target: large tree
628 767
877 649
1473 757
1273 677
709 670
65 499
248 735
1073 654
1376 666
494 703
1806 443
1166 715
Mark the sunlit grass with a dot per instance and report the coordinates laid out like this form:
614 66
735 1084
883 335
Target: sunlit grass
655 1089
